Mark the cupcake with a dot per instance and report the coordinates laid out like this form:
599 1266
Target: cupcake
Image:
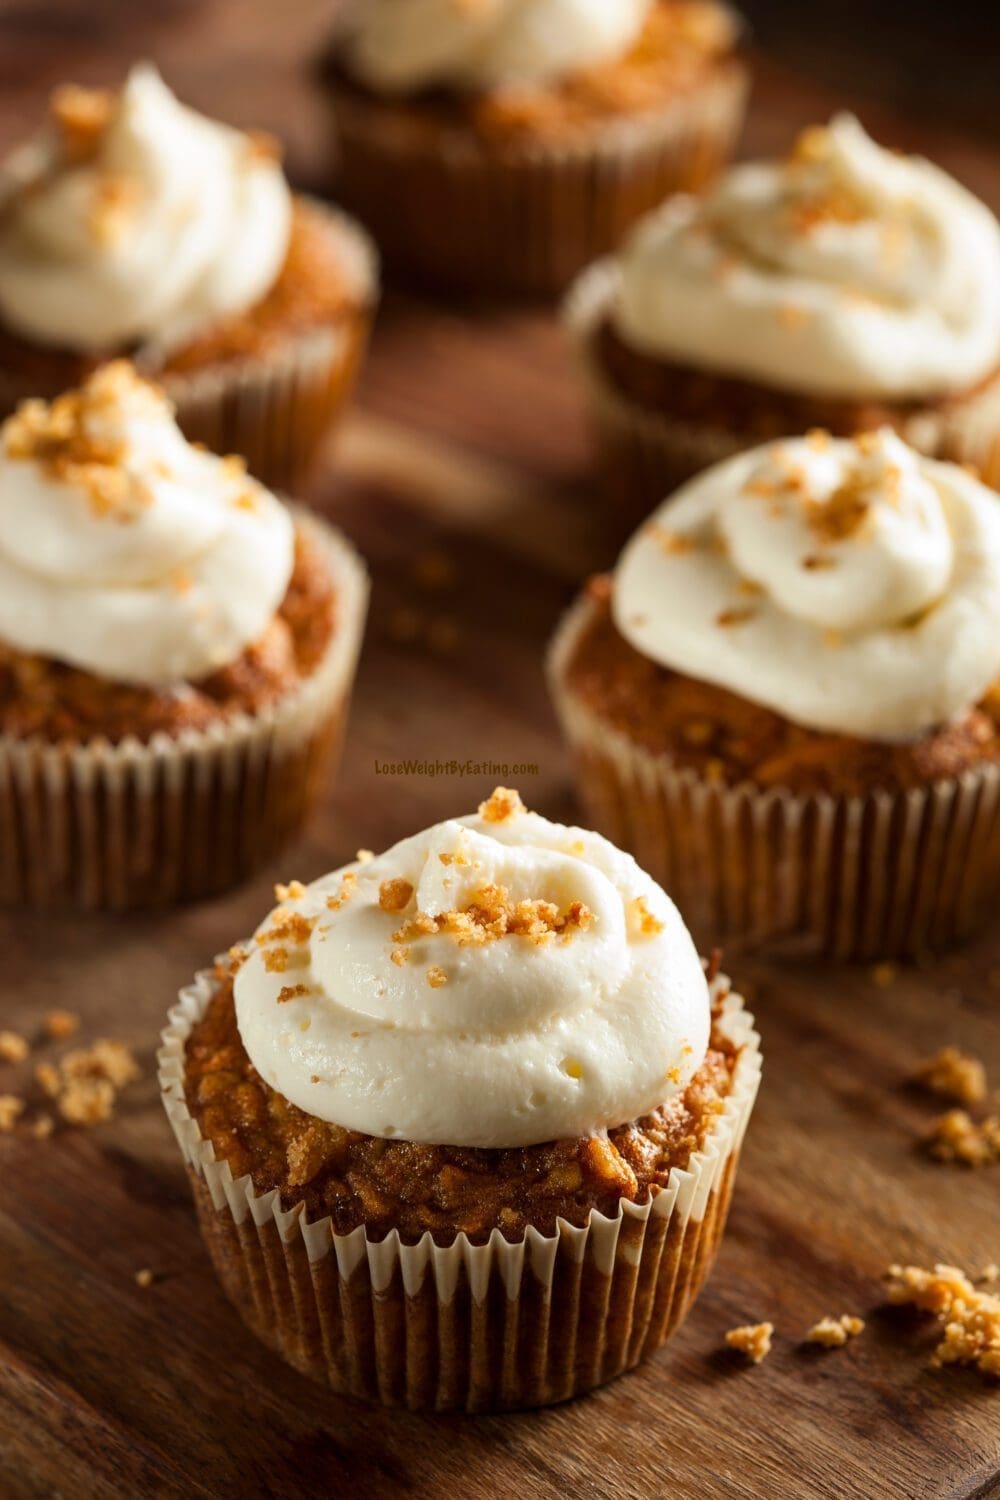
846 288
462 1121
133 226
499 147
786 704
176 655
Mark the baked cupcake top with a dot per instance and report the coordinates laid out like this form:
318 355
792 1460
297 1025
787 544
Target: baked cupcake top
134 220
495 981
850 586
844 271
405 46
126 551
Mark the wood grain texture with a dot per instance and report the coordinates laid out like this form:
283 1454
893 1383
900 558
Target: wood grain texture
469 438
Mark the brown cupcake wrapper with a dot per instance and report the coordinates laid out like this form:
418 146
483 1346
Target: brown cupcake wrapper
523 217
882 875
645 455
472 1327
275 408
137 825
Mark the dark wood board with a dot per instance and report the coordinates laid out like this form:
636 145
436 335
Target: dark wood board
469 438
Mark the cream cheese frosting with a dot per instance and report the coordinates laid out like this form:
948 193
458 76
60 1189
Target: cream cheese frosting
845 271
851 586
136 221
497 980
403 46
123 549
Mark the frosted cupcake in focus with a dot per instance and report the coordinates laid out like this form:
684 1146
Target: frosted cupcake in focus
462 1121
846 287
785 700
500 146
176 655
132 225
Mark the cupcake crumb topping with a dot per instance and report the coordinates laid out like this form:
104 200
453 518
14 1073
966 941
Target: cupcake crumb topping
501 806
292 992
952 1074
491 914
348 885
436 977
395 895
751 1339
293 891
641 921
969 1317
833 1333
80 116
68 438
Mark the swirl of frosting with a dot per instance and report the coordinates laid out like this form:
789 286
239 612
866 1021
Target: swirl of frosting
845 271
136 221
498 980
124 550
852 586
403 46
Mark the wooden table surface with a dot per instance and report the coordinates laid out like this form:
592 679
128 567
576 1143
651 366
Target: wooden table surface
468 440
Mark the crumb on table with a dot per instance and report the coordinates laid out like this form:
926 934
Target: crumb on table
953 1074
833 1333
751 1339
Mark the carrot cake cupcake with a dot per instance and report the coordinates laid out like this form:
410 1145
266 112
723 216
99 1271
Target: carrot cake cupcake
500 146
846 287
176 655
133 225
462 1121
786 701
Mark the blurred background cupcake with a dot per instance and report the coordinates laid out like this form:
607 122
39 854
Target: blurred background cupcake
133 225
785 701
499 147
845 287
462 1121
177 650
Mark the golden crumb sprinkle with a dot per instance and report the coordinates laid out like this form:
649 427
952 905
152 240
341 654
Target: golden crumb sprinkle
398 956
833 1333
13 1047
969 1317
502 805
43 1127
953 1074
48 1079
348 885
87 1101
640 920
740 614
395 895
955 1137
453 857
365 856
81 117
293 891
60 1024
490 914
751 1339
292 992
276 960
11 1109
144 1277
818 439
436 977
673 543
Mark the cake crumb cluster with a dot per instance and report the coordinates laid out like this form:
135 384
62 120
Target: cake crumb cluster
953 1074
956 1137
502 805
83 1085
63 437
969 1317
491 914
833 1333
80 116
751 1339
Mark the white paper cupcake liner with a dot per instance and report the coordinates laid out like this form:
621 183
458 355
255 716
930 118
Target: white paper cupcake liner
883 875
523 217
644 455
472 1327
132 825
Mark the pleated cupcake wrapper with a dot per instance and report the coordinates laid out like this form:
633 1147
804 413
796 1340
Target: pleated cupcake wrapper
523 217
882 875
645 455
133 825
473 1327
275 407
